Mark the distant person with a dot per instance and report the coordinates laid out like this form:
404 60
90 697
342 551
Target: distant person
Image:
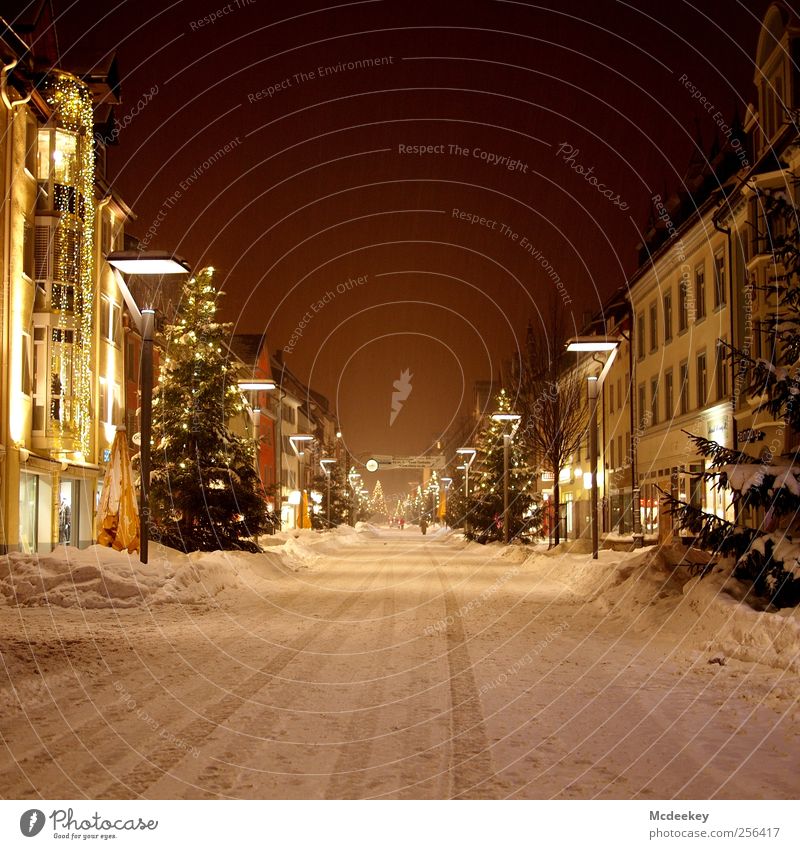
423 525
402 524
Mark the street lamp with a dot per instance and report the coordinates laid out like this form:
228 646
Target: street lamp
594 345
513 419
297 441
469 455
255 385
149 263
353 477
325 462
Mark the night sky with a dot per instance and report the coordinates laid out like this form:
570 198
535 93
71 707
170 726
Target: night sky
318 186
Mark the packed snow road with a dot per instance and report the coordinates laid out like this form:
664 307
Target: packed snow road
395 666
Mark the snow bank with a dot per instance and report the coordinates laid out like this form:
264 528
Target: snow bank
650 591
99 577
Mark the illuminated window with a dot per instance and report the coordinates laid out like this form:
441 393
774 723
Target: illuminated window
700 291
110 320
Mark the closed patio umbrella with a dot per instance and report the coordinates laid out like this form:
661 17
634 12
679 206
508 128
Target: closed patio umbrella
118 513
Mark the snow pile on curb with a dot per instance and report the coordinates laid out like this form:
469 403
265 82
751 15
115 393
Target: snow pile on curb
649 593
99 577
732 627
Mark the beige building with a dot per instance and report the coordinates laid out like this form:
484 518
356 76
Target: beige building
62 367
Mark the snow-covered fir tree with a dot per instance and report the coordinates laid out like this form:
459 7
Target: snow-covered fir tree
486 513
767 551
205 493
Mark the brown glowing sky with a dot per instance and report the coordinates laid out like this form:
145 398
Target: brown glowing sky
315 191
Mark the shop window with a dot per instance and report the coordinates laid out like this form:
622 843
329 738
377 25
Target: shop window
28 511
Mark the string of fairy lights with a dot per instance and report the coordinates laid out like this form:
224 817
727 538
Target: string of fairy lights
71 103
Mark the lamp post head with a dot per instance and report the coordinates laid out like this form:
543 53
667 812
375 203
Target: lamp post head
325 462
298 439
256 385
468 454
147 262
592 344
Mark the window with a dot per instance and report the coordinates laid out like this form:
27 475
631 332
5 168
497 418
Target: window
684 387
720 295
701 379
25 376
109 406
620 459
110 318
654 400
28 254
31 147
700 291
667 316
669 395
611 455
642 405
611 398
722 371
620 400
640 334
683 305
653 327
131 366
627 448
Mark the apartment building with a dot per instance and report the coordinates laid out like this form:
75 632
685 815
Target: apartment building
62 371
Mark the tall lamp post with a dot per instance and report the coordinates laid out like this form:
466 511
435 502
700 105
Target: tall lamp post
297 441
354 478
325 462
468 455
594 345
152 264
513 420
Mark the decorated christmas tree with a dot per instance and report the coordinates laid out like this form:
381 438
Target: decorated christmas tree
205 491
767 549
379 510
430 498
486 514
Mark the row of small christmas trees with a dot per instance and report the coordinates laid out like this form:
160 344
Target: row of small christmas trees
205 493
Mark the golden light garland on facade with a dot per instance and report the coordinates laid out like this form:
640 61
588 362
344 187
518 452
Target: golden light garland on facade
71 103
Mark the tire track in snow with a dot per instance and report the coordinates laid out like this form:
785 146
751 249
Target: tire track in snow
470 756
161 760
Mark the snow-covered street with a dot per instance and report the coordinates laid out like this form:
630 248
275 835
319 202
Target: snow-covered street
388 664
